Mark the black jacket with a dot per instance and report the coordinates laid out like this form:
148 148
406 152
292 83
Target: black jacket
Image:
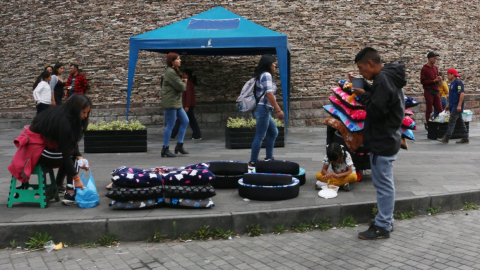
385 106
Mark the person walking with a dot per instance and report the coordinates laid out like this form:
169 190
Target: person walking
43 93
265 91
456 99
76 83
57 84
429 77
189 103
385 105
172 88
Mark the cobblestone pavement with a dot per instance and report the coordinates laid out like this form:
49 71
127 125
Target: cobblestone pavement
446 241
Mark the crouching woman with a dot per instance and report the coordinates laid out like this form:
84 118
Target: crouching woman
53 138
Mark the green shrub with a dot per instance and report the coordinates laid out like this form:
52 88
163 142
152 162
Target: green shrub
248 123
348 221
254 230
38 241
470 206
117 125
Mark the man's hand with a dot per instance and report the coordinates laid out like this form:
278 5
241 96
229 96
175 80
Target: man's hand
459 108
358 91
350 76
186 109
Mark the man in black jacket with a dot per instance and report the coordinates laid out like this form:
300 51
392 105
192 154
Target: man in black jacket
385 106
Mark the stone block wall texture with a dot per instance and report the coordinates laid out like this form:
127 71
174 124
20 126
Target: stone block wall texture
324 38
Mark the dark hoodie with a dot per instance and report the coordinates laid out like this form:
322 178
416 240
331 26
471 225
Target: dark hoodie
385 106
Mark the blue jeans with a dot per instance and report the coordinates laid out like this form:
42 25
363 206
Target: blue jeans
265 126
382 178
171 116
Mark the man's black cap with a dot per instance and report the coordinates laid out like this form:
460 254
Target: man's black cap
432 54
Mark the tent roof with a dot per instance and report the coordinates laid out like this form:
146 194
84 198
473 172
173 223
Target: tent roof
215 32
254 38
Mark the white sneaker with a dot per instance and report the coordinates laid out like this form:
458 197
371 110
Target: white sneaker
319 185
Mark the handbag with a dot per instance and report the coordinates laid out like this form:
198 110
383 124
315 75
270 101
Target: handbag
88 197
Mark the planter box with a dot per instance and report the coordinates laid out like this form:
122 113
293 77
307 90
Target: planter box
115 141
242 138
437 130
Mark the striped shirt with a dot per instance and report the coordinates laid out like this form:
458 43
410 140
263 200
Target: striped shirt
265 85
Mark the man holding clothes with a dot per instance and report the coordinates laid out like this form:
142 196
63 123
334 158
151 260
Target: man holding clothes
385 105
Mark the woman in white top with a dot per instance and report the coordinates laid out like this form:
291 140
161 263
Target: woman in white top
43 93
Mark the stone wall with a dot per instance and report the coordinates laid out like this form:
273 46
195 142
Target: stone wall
324 37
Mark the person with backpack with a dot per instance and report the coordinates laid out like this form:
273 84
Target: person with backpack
265 89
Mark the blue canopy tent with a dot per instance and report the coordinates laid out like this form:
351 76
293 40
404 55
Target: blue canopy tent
215 32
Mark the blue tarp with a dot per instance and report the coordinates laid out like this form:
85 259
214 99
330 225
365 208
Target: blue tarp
219 32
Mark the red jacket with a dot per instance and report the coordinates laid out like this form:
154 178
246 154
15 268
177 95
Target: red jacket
30 147
188 97
80 83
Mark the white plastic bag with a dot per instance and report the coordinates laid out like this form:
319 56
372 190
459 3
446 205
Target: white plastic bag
49 246
442 116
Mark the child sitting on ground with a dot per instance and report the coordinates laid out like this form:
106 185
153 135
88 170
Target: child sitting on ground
343 175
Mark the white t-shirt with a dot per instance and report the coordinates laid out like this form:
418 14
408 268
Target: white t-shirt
43 93
341 166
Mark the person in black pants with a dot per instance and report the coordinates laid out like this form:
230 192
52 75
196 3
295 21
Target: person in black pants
57 83
188 100
63 127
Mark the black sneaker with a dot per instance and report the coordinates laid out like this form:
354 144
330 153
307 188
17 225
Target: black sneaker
374 233
372 221
347 187
61 190
251 165
69 199
273 158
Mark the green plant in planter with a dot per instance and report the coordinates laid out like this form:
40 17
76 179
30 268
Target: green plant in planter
241 122
117 125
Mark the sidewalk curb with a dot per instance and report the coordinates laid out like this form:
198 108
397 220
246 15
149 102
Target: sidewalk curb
131 229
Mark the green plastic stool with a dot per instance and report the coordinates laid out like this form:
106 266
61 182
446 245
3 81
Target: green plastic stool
37 193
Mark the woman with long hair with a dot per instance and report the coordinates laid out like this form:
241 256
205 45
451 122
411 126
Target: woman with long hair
266 89
63 127
39 78
189 103
57 84
172 88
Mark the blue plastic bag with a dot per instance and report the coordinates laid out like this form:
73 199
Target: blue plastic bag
88 197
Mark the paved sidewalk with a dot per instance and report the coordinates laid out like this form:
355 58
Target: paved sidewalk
447 242
428 174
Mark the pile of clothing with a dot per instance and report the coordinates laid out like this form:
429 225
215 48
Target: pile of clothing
186 187
348 116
